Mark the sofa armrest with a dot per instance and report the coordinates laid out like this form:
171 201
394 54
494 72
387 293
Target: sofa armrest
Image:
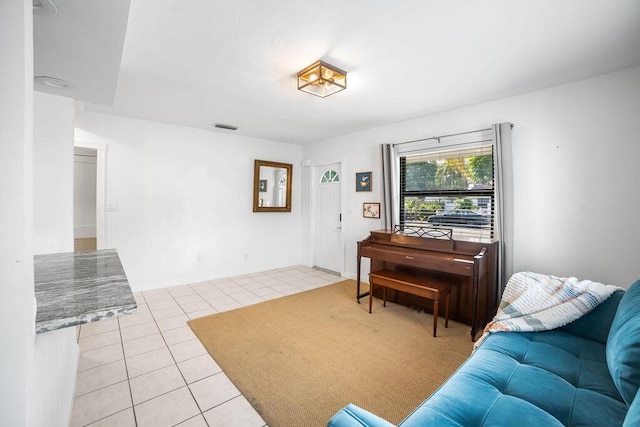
595 325
353 416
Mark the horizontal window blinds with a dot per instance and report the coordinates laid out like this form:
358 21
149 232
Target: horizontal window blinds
450 186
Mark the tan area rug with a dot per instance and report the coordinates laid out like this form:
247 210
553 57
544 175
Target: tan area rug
301 358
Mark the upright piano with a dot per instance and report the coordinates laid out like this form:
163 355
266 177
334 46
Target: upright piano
470 266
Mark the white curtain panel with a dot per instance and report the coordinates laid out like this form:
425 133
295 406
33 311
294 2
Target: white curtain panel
503 172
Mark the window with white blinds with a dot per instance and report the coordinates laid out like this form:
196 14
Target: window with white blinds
449 188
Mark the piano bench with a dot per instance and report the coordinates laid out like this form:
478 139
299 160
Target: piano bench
412 284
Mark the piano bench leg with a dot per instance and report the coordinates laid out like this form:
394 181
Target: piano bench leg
446 311
435 316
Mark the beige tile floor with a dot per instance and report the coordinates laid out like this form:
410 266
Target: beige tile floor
149 369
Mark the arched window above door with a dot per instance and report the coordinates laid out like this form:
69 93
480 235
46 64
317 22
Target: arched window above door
328 176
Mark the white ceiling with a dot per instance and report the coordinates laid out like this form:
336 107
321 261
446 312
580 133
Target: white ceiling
199 62
80 42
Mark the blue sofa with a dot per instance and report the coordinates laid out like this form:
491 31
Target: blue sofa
586 373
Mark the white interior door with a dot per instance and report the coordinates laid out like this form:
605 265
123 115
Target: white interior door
328 218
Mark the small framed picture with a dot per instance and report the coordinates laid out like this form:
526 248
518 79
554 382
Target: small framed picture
363 181
262 186
371 210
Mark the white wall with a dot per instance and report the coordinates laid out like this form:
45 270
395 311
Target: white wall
37 371
53 174
575 158
17 309
184 202
55 354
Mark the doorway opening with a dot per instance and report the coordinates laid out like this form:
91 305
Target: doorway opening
89 196
84 199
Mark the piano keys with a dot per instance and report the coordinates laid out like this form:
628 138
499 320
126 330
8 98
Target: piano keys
470 266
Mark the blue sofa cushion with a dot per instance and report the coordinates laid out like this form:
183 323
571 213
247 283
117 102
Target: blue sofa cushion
623 345
354 416
633 416
535 378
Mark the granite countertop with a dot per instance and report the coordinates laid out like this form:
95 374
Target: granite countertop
75 288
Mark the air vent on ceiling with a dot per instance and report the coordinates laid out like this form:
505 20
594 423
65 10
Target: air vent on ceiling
44 7
223 126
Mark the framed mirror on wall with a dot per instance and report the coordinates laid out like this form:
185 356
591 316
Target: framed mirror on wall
272 186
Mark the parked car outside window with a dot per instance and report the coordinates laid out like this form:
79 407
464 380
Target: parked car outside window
463 217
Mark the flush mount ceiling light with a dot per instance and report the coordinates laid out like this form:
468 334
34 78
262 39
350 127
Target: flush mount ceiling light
53 82
322 79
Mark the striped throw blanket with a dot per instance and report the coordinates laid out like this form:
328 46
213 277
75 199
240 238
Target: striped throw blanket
537 302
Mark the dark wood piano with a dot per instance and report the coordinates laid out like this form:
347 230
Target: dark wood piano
470 266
